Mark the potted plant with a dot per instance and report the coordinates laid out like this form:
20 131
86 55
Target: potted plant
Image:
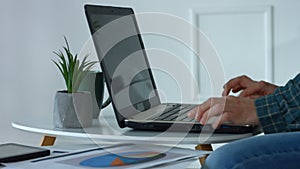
72 108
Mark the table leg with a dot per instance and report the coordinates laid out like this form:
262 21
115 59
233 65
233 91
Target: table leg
48 141
204 147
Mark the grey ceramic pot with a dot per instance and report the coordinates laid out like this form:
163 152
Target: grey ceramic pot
72 110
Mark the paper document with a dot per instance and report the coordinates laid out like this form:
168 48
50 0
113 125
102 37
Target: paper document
115 157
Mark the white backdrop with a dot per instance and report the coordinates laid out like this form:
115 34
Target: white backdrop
30 30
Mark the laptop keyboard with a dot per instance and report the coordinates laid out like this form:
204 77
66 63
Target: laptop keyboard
176 112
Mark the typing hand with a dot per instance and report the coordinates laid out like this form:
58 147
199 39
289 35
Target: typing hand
226 109
248 87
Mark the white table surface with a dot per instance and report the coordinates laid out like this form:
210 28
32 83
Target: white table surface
106 129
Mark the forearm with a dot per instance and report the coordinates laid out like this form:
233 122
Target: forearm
280 111
269 115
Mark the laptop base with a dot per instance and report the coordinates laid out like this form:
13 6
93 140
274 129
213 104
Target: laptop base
193 128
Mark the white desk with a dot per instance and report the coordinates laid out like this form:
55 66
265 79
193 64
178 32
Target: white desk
105 129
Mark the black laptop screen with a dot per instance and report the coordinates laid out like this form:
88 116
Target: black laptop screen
123 60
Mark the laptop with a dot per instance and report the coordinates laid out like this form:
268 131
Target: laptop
129 77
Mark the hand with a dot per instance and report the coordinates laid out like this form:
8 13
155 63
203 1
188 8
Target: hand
249 87
227 109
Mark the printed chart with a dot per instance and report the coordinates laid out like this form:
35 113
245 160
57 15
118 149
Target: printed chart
123 159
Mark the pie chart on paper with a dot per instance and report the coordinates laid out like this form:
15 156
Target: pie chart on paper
122 159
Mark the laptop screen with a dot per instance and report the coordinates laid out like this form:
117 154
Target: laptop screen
123 59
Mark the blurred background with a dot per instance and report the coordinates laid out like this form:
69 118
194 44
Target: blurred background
258 38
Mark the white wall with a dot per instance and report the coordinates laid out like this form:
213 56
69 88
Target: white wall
30 30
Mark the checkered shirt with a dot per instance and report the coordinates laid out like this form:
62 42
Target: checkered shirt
280 111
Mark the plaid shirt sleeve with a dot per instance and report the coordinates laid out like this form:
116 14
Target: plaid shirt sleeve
280 111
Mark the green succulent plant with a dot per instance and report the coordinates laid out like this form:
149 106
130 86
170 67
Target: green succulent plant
72 70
